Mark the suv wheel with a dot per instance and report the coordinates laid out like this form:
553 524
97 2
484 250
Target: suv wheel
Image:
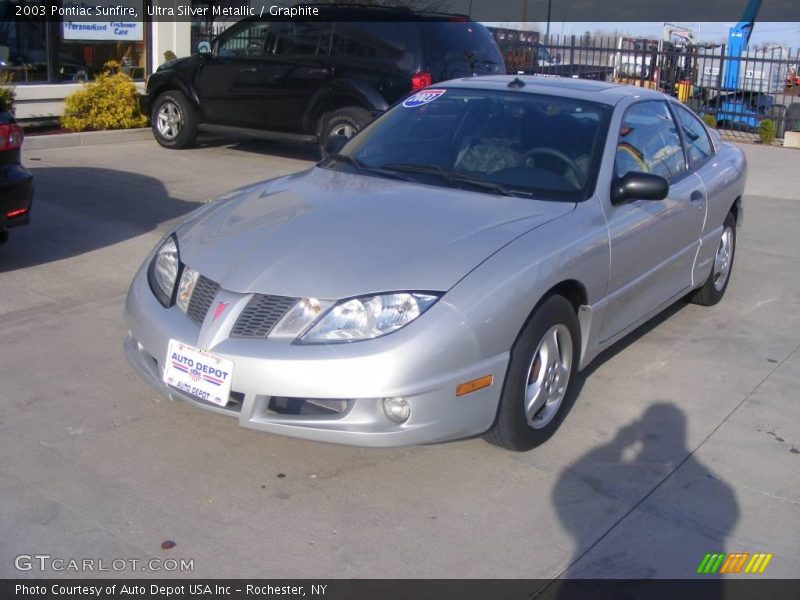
174 120
345 121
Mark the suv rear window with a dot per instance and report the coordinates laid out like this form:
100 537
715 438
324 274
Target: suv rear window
462 49
391 41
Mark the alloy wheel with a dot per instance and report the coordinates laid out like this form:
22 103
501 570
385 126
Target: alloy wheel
548 376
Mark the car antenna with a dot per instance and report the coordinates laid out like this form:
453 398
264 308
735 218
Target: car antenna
516 83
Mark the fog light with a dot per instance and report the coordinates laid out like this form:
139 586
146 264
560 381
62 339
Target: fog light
397 409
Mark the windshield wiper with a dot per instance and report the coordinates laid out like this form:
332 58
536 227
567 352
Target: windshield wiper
453 177
366 169
349 160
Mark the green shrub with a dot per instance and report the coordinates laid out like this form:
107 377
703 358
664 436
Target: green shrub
7 94
767 131
109 102
710 121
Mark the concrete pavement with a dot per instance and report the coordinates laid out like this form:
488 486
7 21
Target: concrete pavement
685 438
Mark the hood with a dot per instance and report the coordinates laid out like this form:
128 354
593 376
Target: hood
328 234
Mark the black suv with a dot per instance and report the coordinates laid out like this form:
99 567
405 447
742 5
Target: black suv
308 80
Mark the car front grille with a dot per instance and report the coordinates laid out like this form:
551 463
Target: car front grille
260 315
202 297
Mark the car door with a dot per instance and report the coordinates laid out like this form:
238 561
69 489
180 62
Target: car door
716 176
653 244
299 66
230 84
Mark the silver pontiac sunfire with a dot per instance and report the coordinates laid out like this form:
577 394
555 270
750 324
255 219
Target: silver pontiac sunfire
447 271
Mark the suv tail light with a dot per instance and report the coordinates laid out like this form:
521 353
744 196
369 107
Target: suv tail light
11 137
420 79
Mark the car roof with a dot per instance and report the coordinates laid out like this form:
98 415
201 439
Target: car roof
584 89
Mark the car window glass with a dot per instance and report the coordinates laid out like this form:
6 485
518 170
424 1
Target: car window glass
390 41
298 38
461 49
545 145
696 136
649 142
253 39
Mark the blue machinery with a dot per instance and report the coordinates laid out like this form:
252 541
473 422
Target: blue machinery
734 105
738 38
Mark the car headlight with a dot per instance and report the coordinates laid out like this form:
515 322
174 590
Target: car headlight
164 270
368 317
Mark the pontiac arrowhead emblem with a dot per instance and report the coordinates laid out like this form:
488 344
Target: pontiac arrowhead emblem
219 310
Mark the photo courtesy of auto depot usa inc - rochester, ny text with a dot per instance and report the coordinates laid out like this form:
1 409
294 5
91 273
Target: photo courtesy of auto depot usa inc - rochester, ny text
167 591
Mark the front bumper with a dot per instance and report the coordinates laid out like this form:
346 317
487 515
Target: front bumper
422 363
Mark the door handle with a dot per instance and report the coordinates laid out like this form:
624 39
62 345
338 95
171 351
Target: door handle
320 71
248 70
696 196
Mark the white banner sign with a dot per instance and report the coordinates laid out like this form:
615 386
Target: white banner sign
117 31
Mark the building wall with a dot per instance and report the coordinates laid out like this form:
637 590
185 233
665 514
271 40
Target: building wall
46 100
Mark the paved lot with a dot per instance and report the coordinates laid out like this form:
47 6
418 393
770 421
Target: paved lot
684 440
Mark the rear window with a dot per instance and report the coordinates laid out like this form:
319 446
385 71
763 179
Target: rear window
398 42
462 49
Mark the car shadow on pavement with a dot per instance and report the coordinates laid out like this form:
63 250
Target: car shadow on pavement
78 210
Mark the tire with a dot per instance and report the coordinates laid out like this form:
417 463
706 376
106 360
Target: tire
174 120
348 121
518 427
714 287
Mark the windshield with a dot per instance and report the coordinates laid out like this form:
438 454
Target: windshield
511 142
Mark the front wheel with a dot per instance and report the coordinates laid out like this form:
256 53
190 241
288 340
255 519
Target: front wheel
345 121
174 120
540 382
714 287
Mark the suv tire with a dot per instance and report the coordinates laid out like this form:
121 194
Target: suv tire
348 121
174 120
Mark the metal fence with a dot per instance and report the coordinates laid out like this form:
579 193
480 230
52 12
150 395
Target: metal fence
738 92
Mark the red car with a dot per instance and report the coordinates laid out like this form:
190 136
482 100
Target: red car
16 183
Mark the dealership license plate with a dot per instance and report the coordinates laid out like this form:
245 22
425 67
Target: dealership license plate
197 373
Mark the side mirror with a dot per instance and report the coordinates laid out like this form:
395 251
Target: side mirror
204 48
639 186
335 143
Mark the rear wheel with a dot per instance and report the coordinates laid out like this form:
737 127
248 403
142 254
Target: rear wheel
539 385
345 121
174 120
714 287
